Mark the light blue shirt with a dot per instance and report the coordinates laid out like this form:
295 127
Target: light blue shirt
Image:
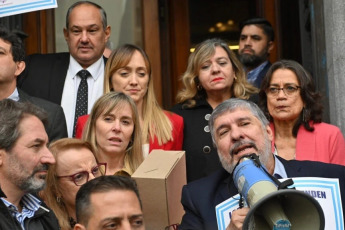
279 168
30 205
253 74
15 95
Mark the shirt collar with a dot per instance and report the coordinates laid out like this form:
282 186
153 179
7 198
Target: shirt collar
279 168
253 74
94 69
15 95
29 202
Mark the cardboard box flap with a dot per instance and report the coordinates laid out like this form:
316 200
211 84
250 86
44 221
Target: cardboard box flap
158 164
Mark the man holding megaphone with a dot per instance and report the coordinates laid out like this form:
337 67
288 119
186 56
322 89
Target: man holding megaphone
239 128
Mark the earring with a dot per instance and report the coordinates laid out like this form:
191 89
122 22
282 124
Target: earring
58 199
305 115
199 87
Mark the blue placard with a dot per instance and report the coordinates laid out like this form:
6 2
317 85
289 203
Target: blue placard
12 7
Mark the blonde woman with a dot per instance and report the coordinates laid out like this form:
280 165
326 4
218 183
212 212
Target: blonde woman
213 75
113 130
128 70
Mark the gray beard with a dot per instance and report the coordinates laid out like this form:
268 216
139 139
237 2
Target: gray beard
264 156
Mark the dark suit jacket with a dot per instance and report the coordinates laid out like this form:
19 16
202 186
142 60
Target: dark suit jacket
56 127
262 74
199 198
44 75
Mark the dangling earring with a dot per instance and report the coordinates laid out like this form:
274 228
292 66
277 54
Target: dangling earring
305 115
58 199
199 87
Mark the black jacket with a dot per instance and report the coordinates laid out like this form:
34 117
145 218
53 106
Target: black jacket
201 156
44 219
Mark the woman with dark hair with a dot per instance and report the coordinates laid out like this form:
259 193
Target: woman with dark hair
213 75
289 100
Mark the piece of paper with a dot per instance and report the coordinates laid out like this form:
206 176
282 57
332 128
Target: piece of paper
12 7
325 190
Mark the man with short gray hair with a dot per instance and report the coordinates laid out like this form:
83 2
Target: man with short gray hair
239 128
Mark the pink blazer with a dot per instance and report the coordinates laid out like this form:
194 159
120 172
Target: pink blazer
326 144
177 132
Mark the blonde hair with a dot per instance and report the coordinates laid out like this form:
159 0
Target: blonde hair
155 121
104 105
241 88
50 193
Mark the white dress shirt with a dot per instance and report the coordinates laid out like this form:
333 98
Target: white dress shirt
69 94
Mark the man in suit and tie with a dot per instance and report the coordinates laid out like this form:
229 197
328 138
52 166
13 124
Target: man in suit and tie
12 63
256 43
238 127
75 79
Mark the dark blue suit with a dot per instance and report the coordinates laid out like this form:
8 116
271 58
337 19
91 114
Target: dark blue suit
261 75
200 197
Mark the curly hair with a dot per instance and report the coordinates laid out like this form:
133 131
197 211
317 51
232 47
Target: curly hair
241 88
313 107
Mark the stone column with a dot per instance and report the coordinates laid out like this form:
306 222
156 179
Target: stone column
334 21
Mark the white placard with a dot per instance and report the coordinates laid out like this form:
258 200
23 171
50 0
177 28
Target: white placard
325 190
12 7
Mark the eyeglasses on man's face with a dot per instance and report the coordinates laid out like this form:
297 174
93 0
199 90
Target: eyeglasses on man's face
82 177
289 90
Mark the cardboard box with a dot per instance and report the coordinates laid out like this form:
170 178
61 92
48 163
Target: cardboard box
160 179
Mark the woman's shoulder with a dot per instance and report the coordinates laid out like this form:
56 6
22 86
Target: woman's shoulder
173 116
325 127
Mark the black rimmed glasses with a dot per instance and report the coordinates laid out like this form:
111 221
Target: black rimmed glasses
289 90
82 177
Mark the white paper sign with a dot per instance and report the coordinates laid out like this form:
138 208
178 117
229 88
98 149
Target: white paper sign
12 7
326 191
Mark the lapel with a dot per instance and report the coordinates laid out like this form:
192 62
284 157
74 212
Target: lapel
23 97
293 168
59 73
225 191
305 143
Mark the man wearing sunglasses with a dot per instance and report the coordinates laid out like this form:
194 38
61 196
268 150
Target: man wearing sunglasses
24 161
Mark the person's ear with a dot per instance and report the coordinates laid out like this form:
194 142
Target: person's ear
2 156
79 227
270 46
269 132
66 34
107 33
20 66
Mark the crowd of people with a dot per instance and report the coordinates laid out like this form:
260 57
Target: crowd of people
75 126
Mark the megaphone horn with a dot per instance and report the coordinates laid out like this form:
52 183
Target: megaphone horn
271 208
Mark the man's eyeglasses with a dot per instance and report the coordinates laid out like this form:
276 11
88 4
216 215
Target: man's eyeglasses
289 90
82 177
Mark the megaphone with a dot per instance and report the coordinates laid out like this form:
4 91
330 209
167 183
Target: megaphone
271 208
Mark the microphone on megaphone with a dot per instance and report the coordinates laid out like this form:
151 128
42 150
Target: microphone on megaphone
271 208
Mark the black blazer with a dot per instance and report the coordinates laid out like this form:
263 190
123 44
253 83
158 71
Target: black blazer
44 75
201 156
56 127
200 197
